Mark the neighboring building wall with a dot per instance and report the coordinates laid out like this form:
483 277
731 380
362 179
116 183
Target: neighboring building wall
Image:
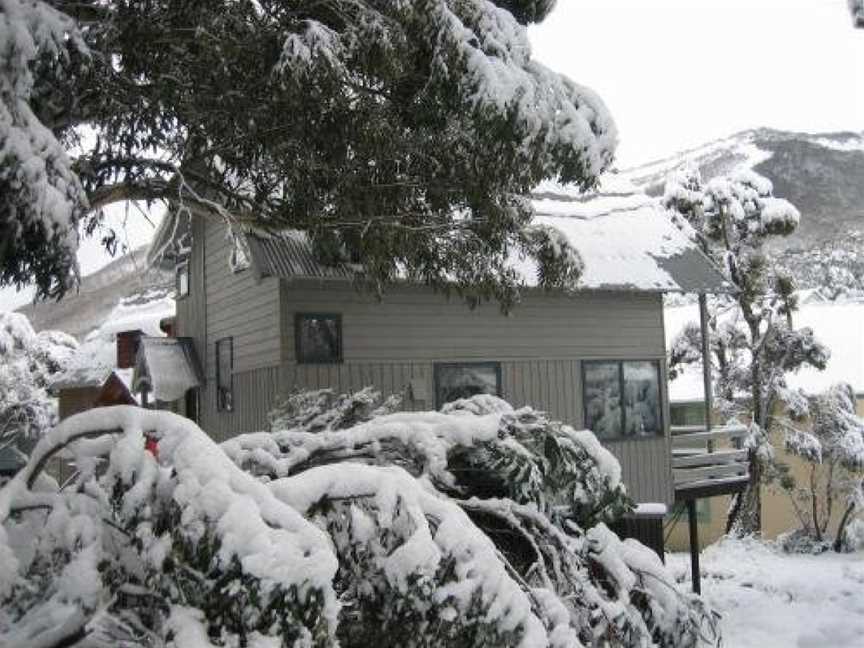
127 348
74 400
394 343
778 514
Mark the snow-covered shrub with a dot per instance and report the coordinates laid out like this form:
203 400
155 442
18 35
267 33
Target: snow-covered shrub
29 361
802 541
155 551
323 409
830 438
361 535
853 536
530 485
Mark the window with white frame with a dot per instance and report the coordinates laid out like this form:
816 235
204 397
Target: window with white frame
622 398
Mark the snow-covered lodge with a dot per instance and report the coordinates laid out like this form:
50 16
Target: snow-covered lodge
265 317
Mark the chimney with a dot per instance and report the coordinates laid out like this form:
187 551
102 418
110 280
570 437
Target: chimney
127 348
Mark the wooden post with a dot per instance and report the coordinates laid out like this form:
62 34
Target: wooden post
695 575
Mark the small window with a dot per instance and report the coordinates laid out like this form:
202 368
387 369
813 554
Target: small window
239 254
463 380
318 338
224 375
192 405
622 399
182 279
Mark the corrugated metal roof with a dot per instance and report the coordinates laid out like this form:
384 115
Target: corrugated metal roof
627 242
290 255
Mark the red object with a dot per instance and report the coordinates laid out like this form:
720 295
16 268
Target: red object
151 445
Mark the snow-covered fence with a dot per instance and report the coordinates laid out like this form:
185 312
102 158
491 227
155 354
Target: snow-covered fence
696 464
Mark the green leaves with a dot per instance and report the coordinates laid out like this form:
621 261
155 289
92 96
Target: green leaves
410 132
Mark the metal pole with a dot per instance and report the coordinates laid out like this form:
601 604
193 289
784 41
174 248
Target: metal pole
695 575
706 358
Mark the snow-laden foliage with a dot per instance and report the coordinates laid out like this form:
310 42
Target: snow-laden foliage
401 135
753 343
152 551
529 484
834 267
479 446
42 197
857 9
178 546
29 362
830 437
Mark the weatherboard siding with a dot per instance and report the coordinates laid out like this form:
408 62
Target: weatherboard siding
412 323
239 305
395 344
192 310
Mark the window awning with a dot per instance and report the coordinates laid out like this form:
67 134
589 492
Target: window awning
166 368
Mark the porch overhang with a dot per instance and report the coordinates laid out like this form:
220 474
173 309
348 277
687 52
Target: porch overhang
166 368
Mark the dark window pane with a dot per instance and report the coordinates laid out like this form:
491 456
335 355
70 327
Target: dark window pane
224 368
642 399
319 338
603 399
465 380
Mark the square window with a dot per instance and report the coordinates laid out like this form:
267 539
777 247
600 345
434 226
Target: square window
318 338
182 279
224 375
622 399
463 380
642 399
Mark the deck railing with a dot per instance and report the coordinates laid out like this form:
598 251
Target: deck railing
708 459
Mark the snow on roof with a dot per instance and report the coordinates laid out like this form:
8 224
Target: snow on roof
167 367
140 312
838 325
97 356
626 241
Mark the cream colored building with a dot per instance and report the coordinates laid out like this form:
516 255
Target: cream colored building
840 326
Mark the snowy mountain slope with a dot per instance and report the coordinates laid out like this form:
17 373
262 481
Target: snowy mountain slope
79 314
821 174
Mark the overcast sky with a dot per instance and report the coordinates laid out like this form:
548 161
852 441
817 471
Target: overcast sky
678 73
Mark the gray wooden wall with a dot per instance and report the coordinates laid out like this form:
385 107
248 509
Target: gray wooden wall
390 344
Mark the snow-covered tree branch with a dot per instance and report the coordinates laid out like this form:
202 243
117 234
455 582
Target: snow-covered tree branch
403 134
830 438
753 343
28 363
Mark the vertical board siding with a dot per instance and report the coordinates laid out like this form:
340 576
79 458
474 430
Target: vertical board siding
255 394
646 463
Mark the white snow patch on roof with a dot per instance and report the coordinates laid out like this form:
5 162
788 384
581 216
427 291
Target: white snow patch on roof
97 356
626 242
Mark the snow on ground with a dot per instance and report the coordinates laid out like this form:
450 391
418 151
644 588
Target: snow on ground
770 599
